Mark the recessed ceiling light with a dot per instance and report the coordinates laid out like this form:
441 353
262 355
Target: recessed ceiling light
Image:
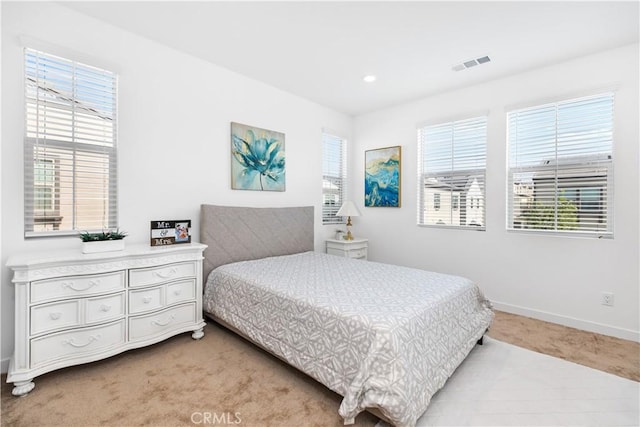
369 78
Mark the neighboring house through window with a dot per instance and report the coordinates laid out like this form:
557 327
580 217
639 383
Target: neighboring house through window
334 177
451 173
560 167
70 146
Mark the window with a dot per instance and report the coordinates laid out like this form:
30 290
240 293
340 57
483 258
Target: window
451 174
44 185
560 167
334 177
70 146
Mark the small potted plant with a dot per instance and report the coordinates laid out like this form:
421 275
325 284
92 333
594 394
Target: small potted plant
105 241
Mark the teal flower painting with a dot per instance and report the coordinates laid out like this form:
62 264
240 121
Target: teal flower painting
257 159
382 177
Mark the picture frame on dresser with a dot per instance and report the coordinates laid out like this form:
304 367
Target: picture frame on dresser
170 232
73 308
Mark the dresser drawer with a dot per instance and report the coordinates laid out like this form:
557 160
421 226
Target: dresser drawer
357 253
153 275
76 342
360 253
184 290
58 315
104 308
148 325
142 300
76 286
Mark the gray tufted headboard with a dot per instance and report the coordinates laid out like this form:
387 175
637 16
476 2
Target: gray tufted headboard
241 233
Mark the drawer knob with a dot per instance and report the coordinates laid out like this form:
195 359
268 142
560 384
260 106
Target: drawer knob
158 323
177 292
55 316
105 308
165 274
146 300
72 286
72 343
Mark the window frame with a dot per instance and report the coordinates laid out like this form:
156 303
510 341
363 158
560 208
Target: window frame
328 179
597 167
80 145
449 178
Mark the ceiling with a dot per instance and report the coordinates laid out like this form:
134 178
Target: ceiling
321 50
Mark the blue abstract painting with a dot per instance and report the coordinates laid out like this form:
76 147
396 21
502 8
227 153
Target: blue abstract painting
257 159
382 177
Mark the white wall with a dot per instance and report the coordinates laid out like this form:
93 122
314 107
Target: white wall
174 124
551 278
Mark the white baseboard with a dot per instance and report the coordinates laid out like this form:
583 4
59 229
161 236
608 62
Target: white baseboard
4 365
599 328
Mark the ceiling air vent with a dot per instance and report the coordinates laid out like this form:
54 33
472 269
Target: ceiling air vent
471 63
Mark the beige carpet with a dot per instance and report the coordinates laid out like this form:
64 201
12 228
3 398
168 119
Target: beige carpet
613 355
222 377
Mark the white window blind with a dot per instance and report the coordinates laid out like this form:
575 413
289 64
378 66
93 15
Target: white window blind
70 146
334 177
451 174
560 176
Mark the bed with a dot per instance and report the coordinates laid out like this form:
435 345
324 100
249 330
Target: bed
384 337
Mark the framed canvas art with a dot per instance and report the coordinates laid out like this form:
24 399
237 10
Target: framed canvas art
257 159
382 177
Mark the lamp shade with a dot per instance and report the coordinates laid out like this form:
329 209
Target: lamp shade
348 208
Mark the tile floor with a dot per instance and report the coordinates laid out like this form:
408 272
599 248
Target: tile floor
503 385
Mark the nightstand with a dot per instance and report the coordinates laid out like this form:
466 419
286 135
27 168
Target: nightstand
356 248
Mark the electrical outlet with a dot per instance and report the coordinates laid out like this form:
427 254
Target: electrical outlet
607 298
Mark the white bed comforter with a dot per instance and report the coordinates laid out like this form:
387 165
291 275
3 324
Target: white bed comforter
380 335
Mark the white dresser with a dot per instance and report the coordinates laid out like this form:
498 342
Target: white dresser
356 248
73 308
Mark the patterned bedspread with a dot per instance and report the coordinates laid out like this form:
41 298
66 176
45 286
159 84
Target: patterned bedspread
380 335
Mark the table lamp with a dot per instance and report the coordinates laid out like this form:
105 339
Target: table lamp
348 209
